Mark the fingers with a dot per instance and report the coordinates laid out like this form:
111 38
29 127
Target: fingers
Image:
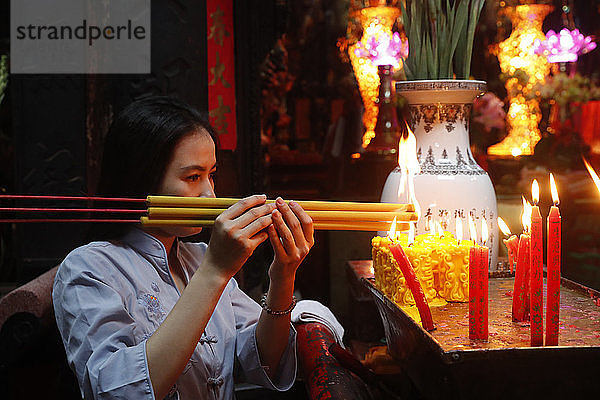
275 241
291 221
284 233
305 221
256 226
243 205
248 216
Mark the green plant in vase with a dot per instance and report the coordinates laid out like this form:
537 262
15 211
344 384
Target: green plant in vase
440 37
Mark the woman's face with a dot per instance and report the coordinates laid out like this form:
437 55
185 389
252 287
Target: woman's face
190 172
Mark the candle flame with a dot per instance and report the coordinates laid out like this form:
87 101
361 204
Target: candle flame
440 230
433 227
484 231
459 229
535 192
392 231
409 167
553 190
402 163
411 233
503 227
526 215
593 174
472 229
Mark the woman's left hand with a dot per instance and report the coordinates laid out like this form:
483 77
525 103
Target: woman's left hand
291 236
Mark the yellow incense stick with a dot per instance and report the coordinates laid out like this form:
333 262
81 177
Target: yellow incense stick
207 213
325 225
206 202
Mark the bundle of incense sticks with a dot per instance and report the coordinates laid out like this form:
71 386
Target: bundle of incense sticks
199 211
326 215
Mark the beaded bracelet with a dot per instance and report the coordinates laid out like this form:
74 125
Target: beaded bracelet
263 304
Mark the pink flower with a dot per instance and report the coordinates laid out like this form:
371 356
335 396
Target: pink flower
488 110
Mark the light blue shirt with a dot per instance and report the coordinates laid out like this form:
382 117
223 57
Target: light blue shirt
109 297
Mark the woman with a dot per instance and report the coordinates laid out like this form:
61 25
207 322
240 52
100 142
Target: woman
145 315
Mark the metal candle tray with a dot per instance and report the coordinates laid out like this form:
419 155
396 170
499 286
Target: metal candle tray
445 364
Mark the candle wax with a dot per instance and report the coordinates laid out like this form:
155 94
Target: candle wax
520 304
536 284
553 277
483 292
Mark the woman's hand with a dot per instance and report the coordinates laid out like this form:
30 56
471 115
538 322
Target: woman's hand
291 236
237 232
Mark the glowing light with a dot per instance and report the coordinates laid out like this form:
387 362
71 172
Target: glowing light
376 41
535 192
459 229
564 46
439 229
553 190
503 227
593 174
472 229
411 234
409 167
514 53
484 231
392 232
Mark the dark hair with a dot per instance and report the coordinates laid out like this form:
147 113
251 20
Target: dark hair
140 141
138 146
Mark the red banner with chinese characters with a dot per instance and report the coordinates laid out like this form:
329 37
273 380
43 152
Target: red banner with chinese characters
221 71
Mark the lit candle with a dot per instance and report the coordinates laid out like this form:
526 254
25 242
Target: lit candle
593 174
536 284
512 243
474 261
483 282
553 269
459 230
520 305
453 275
424 266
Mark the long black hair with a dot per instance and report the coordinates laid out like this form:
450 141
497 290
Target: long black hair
138 146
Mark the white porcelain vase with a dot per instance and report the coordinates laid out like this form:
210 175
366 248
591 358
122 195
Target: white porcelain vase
450 182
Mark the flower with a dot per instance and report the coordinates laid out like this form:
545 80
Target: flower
488 110
564 46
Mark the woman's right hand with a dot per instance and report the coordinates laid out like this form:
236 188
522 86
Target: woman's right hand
237 233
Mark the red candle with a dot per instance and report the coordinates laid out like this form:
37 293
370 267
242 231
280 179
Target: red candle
520 305
414 285
512 245
553 269
536 283
483 284
478 285
474 318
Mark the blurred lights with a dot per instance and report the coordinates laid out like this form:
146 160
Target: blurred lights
514 53
564 46
378 45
